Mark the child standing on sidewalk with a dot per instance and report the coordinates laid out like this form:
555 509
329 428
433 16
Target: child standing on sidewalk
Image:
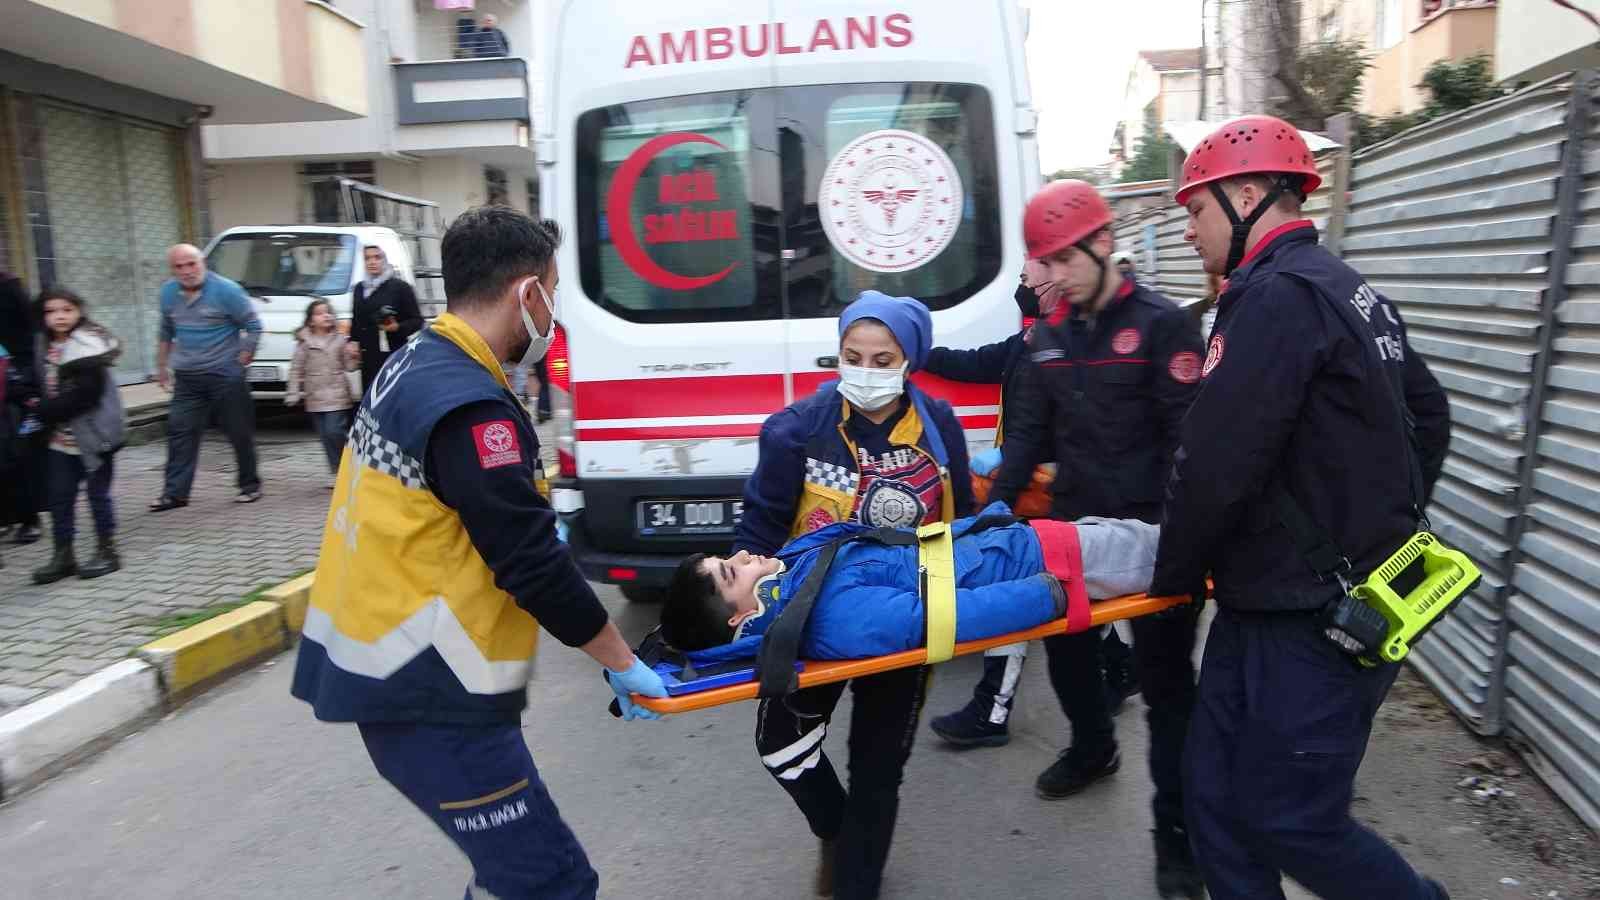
81 407
317 377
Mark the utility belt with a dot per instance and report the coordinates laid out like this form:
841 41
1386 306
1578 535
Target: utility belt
1379 618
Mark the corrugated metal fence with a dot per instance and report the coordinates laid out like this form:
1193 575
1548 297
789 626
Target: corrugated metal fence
1485 228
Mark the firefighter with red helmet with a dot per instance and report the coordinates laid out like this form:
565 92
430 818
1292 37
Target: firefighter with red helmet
1305 462
1107 384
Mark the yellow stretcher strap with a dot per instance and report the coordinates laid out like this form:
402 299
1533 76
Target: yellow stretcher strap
936 556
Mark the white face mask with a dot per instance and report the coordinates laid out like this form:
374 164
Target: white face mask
539 344
870 390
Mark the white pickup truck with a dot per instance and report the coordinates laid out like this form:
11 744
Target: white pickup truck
285 267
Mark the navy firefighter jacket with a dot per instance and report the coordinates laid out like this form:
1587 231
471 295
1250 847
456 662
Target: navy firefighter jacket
1297 393
1103 397
998 363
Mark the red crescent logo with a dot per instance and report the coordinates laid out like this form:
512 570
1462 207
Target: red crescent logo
620 214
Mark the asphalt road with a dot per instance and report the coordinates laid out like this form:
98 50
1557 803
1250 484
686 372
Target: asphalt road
242 794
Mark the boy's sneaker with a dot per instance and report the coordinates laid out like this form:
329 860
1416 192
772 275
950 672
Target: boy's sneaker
965 728
1069 774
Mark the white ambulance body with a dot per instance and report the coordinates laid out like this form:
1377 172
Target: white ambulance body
730 176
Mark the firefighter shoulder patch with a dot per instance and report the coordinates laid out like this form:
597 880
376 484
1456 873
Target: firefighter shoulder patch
1184 367
1213 355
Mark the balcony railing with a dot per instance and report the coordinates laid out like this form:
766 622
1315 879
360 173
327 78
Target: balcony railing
461 90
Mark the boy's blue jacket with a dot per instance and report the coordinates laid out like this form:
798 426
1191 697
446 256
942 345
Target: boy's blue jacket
870 604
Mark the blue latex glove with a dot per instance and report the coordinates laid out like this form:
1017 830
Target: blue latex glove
987 462
639 679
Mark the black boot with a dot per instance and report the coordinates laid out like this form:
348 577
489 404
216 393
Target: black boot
967 728
1071 773
1176 873
1116 662
973 725
104 561
61 565
823 886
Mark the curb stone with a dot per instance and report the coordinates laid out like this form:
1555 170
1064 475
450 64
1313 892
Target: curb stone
70 725
74 723
195 656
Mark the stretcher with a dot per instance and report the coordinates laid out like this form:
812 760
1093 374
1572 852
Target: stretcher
815 672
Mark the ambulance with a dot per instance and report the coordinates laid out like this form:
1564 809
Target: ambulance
730 176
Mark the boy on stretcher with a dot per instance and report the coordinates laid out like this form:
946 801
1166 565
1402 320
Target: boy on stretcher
718 608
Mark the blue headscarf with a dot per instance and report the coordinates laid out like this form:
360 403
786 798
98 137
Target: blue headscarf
905 317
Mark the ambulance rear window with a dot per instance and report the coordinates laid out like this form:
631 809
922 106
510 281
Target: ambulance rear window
756 204
670 226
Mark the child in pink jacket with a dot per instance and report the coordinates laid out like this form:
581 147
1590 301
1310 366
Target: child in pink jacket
318 378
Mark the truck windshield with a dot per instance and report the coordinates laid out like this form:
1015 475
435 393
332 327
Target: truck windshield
287 262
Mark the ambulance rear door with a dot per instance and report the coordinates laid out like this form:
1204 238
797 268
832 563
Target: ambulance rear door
900 175
672 299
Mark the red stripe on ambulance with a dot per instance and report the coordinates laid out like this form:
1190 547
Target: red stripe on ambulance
707 395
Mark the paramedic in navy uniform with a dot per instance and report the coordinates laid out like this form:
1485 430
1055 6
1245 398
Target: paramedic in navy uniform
869 448
440 565
1107 382
1299 405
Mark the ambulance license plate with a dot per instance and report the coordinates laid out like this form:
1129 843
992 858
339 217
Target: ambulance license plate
660 518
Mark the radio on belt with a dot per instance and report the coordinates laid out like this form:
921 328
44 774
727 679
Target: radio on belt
1378 619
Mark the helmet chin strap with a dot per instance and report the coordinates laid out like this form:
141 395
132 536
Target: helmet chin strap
1100 284
1242 227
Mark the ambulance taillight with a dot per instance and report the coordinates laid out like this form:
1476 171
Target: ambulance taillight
559 364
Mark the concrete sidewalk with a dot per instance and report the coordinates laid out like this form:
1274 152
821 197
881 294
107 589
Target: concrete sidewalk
174 563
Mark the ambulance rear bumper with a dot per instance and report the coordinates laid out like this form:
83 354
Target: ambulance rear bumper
646 570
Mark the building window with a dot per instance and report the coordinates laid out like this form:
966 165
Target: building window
324 202
495 192
1390 24
533 197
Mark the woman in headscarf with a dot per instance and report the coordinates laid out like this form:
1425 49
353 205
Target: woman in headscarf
385 314
871 448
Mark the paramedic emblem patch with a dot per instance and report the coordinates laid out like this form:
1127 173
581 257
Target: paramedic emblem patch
497 444
1213 355
890 201
890 504
1184 367
1125 341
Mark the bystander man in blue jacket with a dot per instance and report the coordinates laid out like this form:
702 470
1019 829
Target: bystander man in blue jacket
209 333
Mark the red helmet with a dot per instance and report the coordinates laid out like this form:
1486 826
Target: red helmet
1249 145
1062 214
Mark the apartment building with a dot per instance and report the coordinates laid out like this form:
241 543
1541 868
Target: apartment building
102 103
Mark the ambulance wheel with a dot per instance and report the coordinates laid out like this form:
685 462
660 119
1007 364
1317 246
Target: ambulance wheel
638 593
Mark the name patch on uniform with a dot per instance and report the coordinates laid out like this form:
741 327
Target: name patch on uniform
497 444
1125 341
1184 367
1213 355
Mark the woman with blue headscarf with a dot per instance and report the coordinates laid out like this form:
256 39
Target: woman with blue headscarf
871 448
